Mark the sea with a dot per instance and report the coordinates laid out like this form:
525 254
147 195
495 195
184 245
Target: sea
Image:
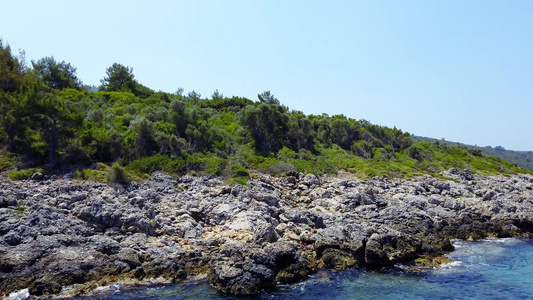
487 269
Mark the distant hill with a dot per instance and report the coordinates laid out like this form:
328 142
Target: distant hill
523 159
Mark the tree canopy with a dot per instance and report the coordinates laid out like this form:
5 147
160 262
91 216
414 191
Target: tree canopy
57 75
120 78
12 69
47 119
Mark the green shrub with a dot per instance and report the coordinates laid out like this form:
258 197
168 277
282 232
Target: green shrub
238 180
78 174
102 167
362 149
205 163
418 153
148 165
239 175
7 160
270 165
475 152
175 166
117 174
286 154
213 164
239 171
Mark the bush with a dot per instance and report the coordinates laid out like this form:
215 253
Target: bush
238 180
362 149
278 168
475 152
206 163
158 162
148 165
176 166
270 165
286 154
239 175
118 175
239 171
7 161
102 167
418 153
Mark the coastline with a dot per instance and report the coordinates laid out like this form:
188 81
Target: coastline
77 234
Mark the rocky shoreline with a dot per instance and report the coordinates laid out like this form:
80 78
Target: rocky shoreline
60 237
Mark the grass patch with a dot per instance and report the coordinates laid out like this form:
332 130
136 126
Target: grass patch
25 173
98 174
20 209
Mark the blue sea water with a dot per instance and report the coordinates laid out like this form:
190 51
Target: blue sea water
491 269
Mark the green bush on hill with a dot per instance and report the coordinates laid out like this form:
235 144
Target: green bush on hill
50 121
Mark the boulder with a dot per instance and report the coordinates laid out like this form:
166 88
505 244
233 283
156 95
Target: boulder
265 233
337 259
37 176
311 180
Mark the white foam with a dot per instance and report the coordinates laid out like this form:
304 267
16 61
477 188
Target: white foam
106 288
20 295
453 264
501 240
458 243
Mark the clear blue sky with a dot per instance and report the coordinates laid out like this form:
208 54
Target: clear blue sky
459 70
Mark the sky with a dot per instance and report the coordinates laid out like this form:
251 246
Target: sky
458 70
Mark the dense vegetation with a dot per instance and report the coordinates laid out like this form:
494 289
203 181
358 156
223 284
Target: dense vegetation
125 130
523 159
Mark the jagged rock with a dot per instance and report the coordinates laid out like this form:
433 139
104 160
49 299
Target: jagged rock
127 218
375 255
265 193
59 232
237 273
189 228
129 256
310 180
303 217
467 174
37 176
338 259
338 237
265 234
383 250
298 270
104 244
489 195
7 201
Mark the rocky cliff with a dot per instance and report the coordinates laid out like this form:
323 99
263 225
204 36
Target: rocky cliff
64 237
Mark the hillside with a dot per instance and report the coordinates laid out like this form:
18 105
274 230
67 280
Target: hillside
523 159
51 123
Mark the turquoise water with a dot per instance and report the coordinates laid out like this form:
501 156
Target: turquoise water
494 269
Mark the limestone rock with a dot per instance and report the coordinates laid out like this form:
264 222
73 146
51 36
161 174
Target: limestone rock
58 232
